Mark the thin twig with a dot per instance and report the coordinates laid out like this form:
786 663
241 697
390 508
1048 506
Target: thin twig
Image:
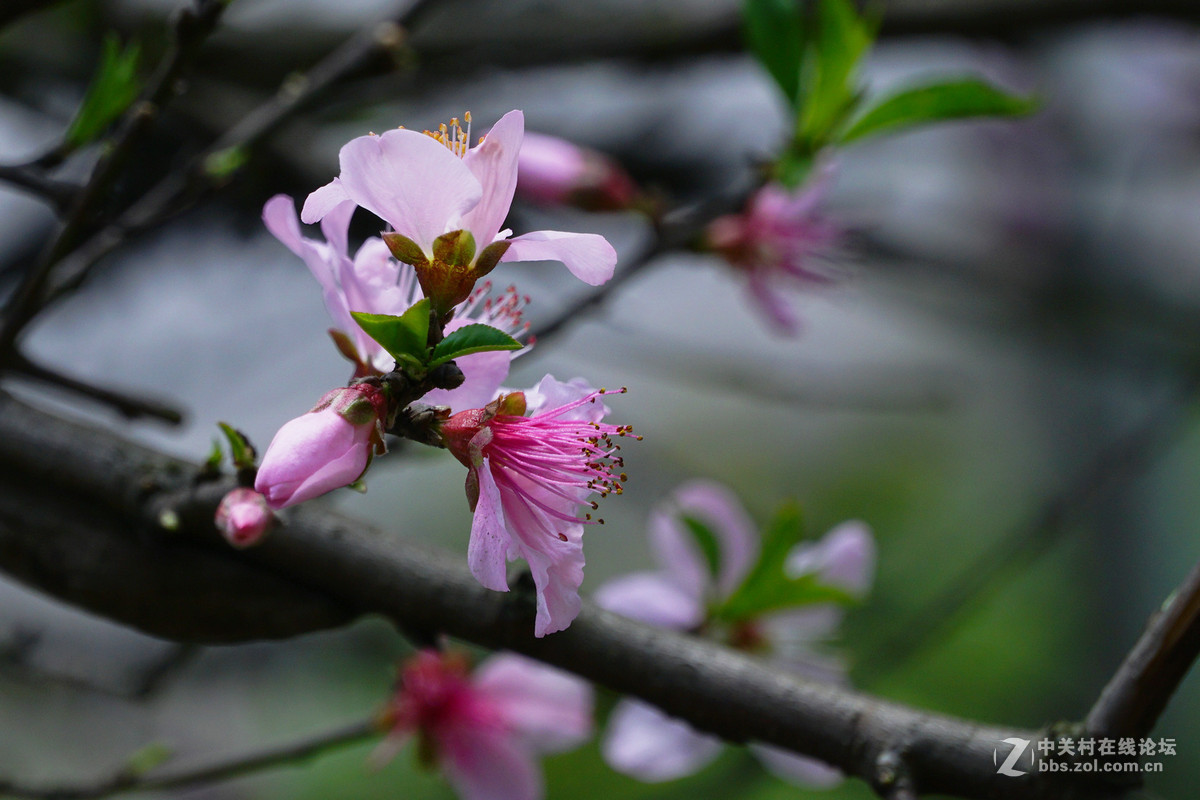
127 405
156 675
676 230
179 190
59 194
1136 695
192 27
290 754
12 10
43 285
1119 460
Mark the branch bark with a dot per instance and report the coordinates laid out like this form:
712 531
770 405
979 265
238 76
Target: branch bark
1132 701
78 483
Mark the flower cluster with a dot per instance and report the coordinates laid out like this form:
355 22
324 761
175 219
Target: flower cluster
412 311
374 282
642 741
484 729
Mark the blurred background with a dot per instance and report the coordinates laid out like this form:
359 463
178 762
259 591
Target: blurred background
1019 297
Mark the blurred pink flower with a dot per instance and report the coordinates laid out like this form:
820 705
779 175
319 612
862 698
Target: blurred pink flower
776 240
554 171
485 730
645 743
243 517
375 283
428 184
528 477
325 449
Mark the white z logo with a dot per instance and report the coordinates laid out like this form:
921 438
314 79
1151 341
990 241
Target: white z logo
1018 749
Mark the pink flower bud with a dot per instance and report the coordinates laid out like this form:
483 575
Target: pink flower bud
554 171
243 517
327 448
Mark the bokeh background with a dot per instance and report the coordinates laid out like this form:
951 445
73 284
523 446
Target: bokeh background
1018 296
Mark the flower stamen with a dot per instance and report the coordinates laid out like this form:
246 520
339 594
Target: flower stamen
455 137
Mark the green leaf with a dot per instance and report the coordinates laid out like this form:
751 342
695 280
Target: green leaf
477 338
213 462
239 446
782 595
774 31
793 168
142 761
707 541
935 103
768 588
404 337
113 88
842 37
223 163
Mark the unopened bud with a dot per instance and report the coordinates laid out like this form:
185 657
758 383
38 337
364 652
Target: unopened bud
553 171
447 376
243 517
325 449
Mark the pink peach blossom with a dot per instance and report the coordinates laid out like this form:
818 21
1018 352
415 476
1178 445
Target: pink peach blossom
375 283
649 745
529 476
426 185
485 730
777 240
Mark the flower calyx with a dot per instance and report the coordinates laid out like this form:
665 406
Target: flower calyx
363 403
448 277
464 434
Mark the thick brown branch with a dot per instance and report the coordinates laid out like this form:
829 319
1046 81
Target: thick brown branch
1132 701
88 475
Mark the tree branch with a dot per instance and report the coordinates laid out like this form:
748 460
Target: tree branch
65 265
126 405
293 753
83 472
59 194
179 190
13 10
192 27
1132 701
676 230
